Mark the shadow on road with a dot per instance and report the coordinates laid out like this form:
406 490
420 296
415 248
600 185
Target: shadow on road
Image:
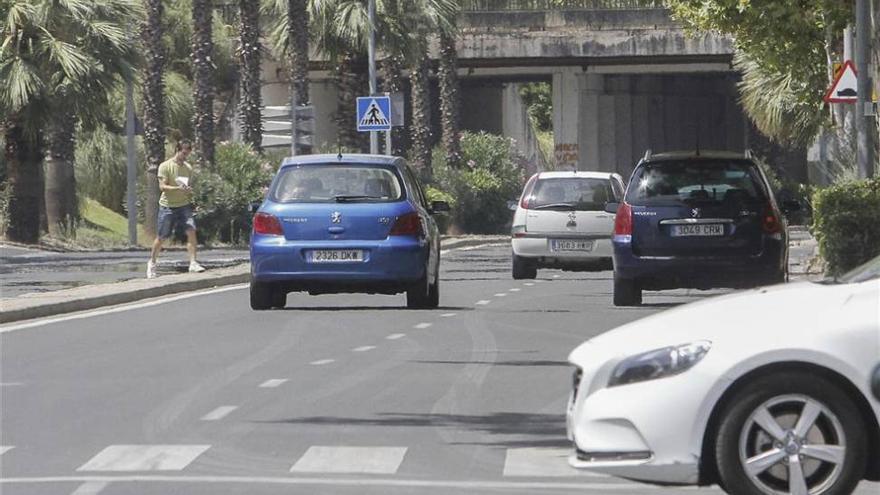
498 363
372 308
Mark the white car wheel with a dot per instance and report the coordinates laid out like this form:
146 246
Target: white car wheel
791 433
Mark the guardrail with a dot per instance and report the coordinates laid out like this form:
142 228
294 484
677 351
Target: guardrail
506 5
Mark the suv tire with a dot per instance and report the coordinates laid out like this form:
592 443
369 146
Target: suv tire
524 268
627 292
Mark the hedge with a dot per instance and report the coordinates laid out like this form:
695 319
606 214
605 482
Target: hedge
846 222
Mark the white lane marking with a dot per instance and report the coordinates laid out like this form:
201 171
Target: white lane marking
528 284
422 326
472 248
11 384
395 336
586 487
515 289
6 448
144 458
90 488
555 276
541 461
501 294
448 315
363 348
117 309
482 302
322 361
274 382
372 460
219 413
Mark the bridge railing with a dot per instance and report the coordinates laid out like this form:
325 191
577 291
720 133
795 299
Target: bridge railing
506 5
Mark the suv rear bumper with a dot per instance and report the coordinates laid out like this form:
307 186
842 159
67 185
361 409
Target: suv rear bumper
706 272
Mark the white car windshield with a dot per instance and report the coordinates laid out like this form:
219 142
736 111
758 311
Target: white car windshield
573 193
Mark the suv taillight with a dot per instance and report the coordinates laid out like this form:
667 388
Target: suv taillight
527 192
267 224
409 224
770 221
623 223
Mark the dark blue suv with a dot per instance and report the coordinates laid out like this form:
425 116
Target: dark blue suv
697 220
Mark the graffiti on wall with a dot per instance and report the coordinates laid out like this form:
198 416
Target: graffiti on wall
566 155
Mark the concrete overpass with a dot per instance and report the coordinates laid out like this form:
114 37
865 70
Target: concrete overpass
623 79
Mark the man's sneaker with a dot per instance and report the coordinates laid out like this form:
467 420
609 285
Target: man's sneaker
195 267
151 269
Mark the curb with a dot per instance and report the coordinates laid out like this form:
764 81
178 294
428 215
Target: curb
30 306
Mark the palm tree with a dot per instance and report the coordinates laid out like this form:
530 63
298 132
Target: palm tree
420 128
250 104
393 81
203 79
154 108
58 60
449 97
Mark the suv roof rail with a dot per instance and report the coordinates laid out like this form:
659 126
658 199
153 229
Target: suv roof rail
647 154
748 154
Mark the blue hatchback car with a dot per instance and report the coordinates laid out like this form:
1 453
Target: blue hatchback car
352 223
697 220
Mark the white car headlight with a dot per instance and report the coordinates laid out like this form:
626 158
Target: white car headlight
659 363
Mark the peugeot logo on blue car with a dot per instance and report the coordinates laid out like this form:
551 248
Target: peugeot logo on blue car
336 217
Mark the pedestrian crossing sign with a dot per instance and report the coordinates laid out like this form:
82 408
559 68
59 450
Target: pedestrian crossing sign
373 113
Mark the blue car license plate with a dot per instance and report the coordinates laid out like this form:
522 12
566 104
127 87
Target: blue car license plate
335 256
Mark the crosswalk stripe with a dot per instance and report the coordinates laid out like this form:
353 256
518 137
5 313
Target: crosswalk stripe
144 458
6 448
362 460
541 462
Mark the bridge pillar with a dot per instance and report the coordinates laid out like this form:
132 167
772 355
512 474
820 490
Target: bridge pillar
566 117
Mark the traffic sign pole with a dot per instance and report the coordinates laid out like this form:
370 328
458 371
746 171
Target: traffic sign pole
865 147
371 64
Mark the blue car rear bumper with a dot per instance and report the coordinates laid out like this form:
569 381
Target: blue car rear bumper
671 272
389 265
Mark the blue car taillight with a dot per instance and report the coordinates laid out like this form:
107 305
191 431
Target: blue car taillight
267 224
408 224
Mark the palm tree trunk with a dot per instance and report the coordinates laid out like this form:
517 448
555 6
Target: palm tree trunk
393 82
350 75
420 128
154 110
23 162
449 102
250 105
62 213
203 80
298 53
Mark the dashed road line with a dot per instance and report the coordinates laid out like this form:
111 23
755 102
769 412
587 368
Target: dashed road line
6 448
275 382
219 413
482 302
528 284
363 348
448 315
322 362
515 289
395 336
555 276
422 326
501 294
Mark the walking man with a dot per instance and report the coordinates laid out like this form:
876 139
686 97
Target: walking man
175 206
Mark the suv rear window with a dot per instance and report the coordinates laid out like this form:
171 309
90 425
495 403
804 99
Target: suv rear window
572 193
329 183
709 181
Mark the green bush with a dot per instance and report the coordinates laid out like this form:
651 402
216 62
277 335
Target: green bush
481 188
846 222
101 167
223 196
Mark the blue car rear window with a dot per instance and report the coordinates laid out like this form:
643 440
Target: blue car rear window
330 183
685 182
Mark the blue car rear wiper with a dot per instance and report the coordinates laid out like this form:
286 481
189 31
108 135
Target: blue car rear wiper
342 198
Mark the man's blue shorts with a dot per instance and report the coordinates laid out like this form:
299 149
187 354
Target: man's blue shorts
181 217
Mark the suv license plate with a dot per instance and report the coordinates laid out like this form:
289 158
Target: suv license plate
335 256
570 245
698 230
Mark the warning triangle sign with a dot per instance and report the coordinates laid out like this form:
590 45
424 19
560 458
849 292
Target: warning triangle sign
843 89
374 115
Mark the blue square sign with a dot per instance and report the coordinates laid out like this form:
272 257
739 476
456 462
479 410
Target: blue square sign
373 113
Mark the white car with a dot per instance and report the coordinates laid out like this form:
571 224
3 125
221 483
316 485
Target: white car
561 222
765 391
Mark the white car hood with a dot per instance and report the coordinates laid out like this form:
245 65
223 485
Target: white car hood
764 316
